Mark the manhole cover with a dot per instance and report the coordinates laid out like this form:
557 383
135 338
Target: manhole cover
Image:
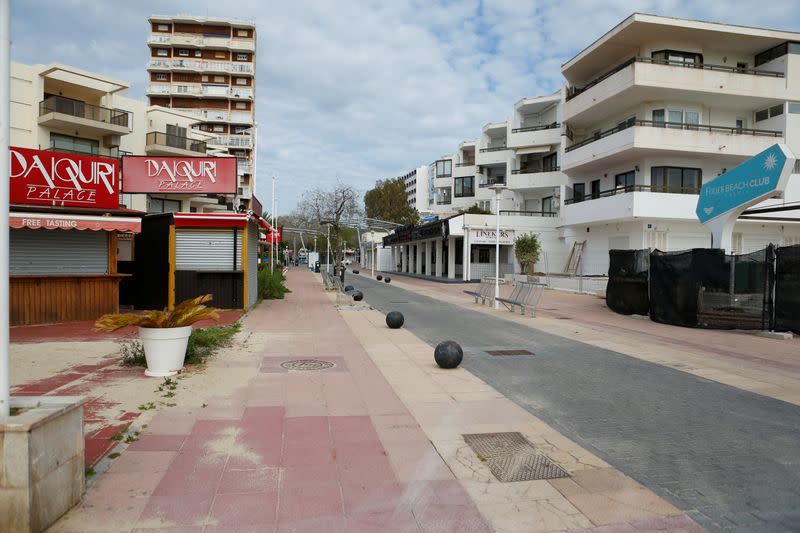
509 352
305 365
510 457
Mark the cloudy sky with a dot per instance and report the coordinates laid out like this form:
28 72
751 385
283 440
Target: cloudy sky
362 90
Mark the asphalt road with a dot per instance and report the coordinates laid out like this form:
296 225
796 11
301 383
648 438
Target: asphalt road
729 458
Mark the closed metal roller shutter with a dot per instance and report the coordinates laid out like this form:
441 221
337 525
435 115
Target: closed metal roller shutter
207 250
43 251
252 264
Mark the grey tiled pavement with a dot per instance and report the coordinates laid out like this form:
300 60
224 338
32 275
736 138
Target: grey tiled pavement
727 457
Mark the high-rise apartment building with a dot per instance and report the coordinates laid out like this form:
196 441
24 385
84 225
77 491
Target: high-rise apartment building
206 66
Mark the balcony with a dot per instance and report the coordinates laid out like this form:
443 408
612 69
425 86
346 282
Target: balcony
158 143
632 202
201 66
444 201
635 138
489 183
233 141
493 155
462 170
159 88
642 78
200 41
243 166
244 192
540 135
534 178
159 64
86 119
241 117
78 148
546 214
244 93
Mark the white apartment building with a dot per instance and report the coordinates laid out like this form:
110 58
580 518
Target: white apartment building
651 111
206 67
659 106
65 109
417 186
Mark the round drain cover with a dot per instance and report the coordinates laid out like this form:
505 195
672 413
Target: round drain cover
304 365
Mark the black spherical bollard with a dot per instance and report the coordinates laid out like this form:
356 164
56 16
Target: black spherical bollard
355 271
387 279
357 296
395 319
349 288
448 354
379 277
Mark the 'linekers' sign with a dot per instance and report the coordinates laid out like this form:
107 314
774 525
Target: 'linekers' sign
41 177
179 175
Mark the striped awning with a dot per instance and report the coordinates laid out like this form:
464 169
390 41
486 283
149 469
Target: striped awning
77 222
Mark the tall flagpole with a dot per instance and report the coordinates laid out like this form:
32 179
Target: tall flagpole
272 233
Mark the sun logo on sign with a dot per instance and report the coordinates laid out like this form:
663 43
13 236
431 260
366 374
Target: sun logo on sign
770 161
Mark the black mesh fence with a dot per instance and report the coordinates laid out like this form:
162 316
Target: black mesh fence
787 288
626 292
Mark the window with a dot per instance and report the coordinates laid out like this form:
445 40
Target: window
692 118
626 180
550 162
740 123
483 255
241 33
198 53
674 57
242 57
239 129
240 105
675 116
219 79
241 81
204 78
773 53
162 27
162 52
160 205
578 192
69 144
658 117
595 187
676 180
183 53
219 129
547 205
464 187
741 67
162 76
444 168
770 112
219 55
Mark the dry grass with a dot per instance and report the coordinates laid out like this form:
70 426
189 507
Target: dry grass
185 313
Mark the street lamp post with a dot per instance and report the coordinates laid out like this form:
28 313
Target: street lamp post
374 251
498 189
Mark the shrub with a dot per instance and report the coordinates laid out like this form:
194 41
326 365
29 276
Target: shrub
527 249
271 284
185 313
204 342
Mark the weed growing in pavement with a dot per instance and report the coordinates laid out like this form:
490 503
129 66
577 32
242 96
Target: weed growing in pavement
204 342
130 438
147 406
88 472
169 394
118 436
132 352
113 455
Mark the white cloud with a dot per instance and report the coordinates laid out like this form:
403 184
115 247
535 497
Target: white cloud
366 90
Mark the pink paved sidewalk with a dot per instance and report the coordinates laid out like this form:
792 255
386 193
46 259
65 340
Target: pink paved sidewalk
332 450
591 311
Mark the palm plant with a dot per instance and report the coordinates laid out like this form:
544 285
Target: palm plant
185 313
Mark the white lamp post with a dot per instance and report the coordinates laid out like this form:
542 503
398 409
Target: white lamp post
498 189
374 252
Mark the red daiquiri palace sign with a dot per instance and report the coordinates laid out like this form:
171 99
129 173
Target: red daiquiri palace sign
179 175
40 177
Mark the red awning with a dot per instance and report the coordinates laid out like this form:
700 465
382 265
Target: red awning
210 220
79 222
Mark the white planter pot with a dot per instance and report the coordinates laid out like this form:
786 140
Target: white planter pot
164 349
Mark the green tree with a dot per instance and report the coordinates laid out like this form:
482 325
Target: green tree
527 248
387 201
474 210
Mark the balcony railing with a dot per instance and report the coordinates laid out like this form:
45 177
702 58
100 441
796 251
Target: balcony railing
541 127
444 201
79 149
633 188
489 183
572 92
529 213
176 141
535 170
466 164
76 108
494 149
239 141
211 66
732 130
158 88
240 92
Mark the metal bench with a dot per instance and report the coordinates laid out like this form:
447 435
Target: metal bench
525 296
484 292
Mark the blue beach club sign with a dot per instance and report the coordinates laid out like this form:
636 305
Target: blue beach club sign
724 198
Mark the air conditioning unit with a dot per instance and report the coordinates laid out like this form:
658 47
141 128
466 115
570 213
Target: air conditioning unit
111 141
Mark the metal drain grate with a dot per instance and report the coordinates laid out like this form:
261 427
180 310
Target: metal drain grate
509 352
511 457
305 365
